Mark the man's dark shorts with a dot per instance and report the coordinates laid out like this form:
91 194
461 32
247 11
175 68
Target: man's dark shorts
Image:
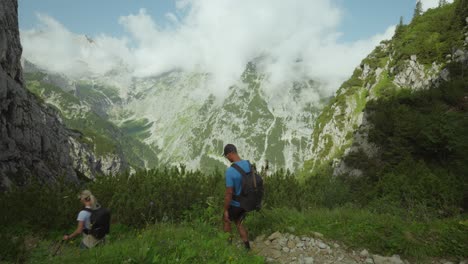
236 213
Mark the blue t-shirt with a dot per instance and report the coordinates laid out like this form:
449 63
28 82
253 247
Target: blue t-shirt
234 179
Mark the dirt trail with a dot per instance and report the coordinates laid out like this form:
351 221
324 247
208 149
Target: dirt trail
288 248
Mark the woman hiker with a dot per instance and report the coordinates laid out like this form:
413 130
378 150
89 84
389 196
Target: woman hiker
84 221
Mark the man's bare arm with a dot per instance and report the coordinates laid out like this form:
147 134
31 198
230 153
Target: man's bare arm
228 197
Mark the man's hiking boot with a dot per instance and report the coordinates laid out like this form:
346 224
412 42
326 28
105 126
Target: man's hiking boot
247 245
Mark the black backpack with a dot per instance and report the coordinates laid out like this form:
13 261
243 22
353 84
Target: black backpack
100 222
251 195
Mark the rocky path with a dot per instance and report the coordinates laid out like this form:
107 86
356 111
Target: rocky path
288 248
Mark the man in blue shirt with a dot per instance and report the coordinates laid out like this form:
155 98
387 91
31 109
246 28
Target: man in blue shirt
232 209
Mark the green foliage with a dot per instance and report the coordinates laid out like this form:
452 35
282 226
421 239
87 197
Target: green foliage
156 195
385 87
430 36
419 189
54 202
184 209
12 246
377 59
422 162
420 168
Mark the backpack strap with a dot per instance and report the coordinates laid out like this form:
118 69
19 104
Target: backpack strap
243 174
86 230
240 170
88 210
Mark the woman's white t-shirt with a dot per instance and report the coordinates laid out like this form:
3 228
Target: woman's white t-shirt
85 216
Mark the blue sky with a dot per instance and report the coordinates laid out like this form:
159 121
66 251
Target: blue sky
361 18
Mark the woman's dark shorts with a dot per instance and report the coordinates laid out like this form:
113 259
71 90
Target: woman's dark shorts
236 213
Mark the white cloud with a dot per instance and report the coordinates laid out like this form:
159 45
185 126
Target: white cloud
215 36
53 47
426 4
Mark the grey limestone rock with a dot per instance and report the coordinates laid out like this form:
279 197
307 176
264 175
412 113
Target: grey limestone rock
395 259
33 140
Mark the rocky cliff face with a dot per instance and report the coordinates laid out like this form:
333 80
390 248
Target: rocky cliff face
33 141
342 129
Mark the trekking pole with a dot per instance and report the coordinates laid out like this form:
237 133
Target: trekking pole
58 247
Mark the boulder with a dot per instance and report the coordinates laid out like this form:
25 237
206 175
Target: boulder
274 236
291 244
364 253
395 259
272 253
282 241
322 245
259 238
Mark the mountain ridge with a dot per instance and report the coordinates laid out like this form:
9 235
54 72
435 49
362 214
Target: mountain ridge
152 109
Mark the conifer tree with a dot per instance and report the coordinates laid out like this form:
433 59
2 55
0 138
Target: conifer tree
399 27
418 9
442 3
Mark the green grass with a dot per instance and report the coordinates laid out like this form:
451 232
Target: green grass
197 240
159 243
385 87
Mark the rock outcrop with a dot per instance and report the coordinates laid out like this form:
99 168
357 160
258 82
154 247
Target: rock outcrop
33 141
